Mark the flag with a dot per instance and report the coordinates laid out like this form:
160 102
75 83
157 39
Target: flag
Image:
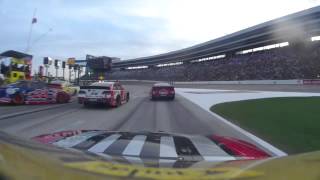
34 20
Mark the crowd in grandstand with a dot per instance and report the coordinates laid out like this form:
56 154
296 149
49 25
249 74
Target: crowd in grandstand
278 63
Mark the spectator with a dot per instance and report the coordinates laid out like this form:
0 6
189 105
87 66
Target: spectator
281 63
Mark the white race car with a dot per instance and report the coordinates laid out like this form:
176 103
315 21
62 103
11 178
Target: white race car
108 93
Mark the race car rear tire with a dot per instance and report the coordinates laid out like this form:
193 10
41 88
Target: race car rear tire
128 97
18 99
118 101
61 98
74 93
86 104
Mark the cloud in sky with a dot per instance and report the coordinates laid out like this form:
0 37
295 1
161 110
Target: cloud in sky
129 28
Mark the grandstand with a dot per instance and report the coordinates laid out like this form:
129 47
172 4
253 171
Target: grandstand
284 48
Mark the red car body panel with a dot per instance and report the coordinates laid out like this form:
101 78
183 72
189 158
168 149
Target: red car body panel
239 147
50 138
47 96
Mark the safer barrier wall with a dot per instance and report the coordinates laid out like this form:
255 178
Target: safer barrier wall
256 82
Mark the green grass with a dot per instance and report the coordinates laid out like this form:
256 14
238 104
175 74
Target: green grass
291 124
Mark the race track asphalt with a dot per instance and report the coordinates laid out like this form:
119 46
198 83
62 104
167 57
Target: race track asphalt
139 114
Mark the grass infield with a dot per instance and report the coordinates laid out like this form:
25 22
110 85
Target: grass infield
292 124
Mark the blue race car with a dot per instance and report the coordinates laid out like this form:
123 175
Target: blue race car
15 93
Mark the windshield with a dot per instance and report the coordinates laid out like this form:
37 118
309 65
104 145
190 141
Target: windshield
168 84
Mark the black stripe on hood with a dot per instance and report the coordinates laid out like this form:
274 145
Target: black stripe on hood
186 149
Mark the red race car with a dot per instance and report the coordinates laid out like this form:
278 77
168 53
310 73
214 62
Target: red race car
162 91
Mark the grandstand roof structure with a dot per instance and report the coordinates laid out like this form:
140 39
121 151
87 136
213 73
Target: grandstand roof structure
15 54
290 28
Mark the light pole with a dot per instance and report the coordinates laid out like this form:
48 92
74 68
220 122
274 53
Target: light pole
34 20
63 68
70 68
79 72
56 72
56 65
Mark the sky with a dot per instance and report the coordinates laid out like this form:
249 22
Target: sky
128 28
